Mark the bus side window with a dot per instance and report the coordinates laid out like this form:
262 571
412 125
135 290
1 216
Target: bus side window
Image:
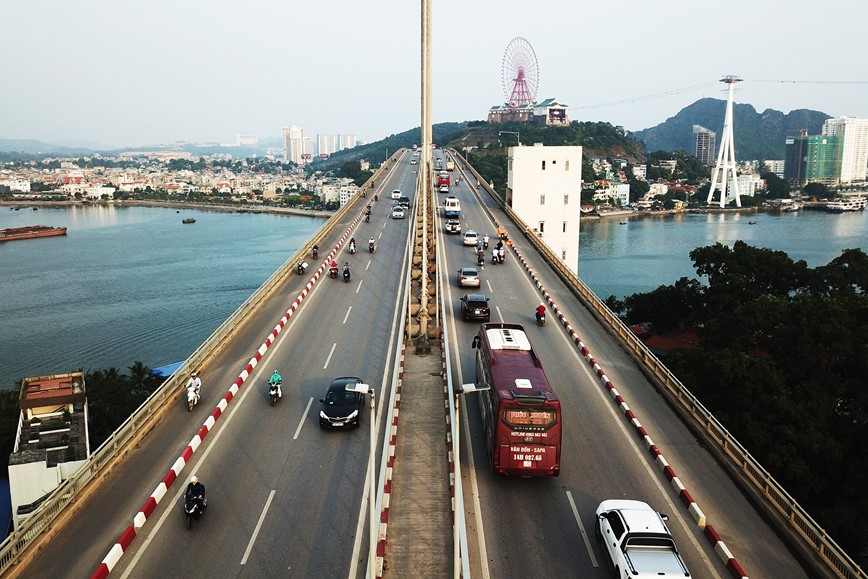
475 343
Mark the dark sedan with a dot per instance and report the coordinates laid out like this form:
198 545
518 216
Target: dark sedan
475 307
341 407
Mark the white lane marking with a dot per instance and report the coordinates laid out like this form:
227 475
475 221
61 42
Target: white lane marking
359 288
332 351
369 264
349 309
301 421
499 315
380 236
488 283
582 529
258 526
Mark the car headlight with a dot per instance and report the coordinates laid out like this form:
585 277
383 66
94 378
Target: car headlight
323 415
353 414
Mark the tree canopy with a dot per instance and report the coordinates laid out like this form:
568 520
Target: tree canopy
783 364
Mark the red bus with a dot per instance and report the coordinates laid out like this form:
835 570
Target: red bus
521 413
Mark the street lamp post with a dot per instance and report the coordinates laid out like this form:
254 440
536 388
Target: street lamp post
458 519
372 539
517 136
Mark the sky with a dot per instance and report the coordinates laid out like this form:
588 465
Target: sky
112 73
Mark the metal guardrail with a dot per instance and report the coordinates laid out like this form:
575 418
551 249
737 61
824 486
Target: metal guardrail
804 533
51 514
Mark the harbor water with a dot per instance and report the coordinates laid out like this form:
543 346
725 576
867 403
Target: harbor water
134 283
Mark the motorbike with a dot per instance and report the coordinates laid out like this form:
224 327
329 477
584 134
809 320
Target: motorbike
301 267
346 276
485 242
540 319
371 247
497 255
333 272
352 248
315 252
376 197
192 399
367 217
480 259
194 508
274 391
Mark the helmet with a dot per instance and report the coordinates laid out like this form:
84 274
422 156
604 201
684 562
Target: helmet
194 374
542 305
194 479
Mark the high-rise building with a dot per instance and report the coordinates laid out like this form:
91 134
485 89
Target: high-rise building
293 144
544 187
346 142
854 146
704 145
812 159
326 144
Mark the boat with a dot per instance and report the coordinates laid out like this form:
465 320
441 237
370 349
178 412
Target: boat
188 220
31 232
850 204
751 222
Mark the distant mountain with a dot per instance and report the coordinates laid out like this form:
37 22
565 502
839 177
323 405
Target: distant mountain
757 135
36 147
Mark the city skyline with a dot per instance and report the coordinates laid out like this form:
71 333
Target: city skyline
137 74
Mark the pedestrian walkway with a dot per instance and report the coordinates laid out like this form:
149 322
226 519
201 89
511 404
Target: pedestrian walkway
419 537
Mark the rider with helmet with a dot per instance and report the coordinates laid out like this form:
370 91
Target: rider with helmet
276 380
540 311
194 384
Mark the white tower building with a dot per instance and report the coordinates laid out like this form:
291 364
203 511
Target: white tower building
293 144
544 188
854 154
326 144
725 168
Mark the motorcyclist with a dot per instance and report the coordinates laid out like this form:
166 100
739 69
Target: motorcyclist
353 245
333 268
194 384
195 490
480 257
315 250
371 244
485 241
275 380
540 311
347 268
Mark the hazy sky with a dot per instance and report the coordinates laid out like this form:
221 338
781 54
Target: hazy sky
137 72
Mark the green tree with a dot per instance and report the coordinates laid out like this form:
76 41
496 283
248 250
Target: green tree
776 187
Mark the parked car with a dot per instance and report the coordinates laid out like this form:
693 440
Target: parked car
471 237
453 226
398 212
475 307
396 194
341 407
468 277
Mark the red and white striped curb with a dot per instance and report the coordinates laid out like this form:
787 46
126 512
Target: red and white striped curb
390 464
123 543
720 548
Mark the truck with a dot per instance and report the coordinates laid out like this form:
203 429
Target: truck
450 165
443 182
637 541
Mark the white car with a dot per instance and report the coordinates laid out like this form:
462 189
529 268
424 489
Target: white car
637 541
396 194
471 237
398 213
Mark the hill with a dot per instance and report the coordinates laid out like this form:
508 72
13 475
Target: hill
32 146
757 135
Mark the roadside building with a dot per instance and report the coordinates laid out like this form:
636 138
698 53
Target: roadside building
544 187
51 442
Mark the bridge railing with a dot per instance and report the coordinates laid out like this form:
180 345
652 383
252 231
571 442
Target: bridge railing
802 532
50 517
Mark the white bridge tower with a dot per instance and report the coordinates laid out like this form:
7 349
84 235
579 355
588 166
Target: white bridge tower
726 155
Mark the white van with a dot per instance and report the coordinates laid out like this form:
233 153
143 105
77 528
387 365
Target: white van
452 207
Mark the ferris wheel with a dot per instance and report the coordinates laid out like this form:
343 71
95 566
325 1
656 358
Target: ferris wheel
519 73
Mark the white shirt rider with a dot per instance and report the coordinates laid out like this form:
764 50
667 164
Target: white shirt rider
195 384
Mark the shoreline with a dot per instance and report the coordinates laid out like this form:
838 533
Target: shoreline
174 205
